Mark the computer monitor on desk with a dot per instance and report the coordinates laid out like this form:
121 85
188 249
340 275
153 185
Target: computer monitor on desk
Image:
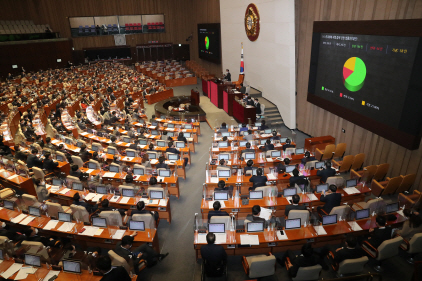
267 131
57 182
276 153
321 187
255 227
362 214
289 191
221 196
152 155
392 208
223 144
225 134
164 173
33 260
249 155
126 139
293 223
114 169
290 168
169 125
351 182
143 142
253 194
330 219
99 222
161 143
111 150
72 266
282 140
217 227
299 151
224 156
101 189
156 194
34 211
92 165
130 153
65 217
223 173
180 144
319 165
60 158
187 135
137 225
128 192
242 143
77 186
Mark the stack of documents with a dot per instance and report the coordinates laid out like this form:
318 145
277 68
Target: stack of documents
64 191
89 171
282 237
18 218
271 176
124 200
163 203
354 226
202 238
66 227
23 273
12 177
220 238
320 230
51 224
109 175
351 190
119 234
312 197
247 239
11 270
27 220
92 230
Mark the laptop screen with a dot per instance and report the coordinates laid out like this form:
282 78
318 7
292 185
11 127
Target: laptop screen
319 165
154 132
300 151
170 134
351 183
92 165
283 140
321 187
258 124
164 173
221 195
290 168
293 223
130 153
330 219
94 148
114 169
126 139
223 144
263 142
57 182
217 227
243 143
161 143
188 126
256 194
59 158
223 173
32 260
224 156
187 135
275 153
77 186
362 214
289 191
225 134
34 211
111 150
79 144
64 217
153 194
101 190
267 131
8 204
391 208
138 171
170 125
154 123
249 155
137 225
71 266
255 227
1 254
180 144
68 141
152 155
173 157
99 222
143 142
127 192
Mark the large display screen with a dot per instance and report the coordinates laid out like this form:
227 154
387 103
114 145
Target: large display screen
209 44
371 81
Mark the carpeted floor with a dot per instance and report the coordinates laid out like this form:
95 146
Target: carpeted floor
177 237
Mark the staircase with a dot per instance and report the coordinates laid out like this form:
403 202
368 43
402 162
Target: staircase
271 114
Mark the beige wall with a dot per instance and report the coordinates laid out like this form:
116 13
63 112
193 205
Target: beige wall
318 122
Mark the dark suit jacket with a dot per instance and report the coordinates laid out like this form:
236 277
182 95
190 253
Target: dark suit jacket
49 165
306 160
85 156
87 206
294 180
294 207
163 165
172 150
118 273
214 254
253 218
287 146
347 253
179 138
228 76
258 181
263 127
81 126
379 235
267 147
216 213
326 173
75 174
33 160
258 108
331 200
301 261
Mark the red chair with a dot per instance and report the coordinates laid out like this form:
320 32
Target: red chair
130 26
149 27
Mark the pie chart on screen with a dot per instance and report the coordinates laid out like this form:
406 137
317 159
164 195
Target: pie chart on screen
354 74
207 42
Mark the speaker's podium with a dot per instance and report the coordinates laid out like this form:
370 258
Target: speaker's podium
216 90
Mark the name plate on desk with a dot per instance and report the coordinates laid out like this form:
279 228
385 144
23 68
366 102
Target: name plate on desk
162 209
310 240
272 244
235 210
231 246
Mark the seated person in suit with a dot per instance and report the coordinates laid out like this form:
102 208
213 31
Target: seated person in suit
249 136
275 137
217 211
84 154
140 209
248 148
327 172
223 163
214 255
258 180
288 144
77 201
48 164
31 234
153 182
254 217
248 167
33 160
331 199
411 226
223 187
295 205
223 128
348 251
134 145
379 234
181 137
223 125
263 126
249 101
307 258
244 128
74 172
161 163
48 144
113 141
296 179
151 147
307 158
268 146
105 206
281 167
144 252
42 192
172 149
103 264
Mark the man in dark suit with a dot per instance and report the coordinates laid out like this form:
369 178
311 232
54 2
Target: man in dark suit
257 106
161 163
327 172
223 187
254 217
144 252
114 118
88 207
307 158
263 125
134 145
331 199
268 146
248 148
249 101
105 206
217 211
281 167
214 256
345 253
49 164
258 180
288 144
81 125
74 172
248 167
33 160
113 141
228 75
84 154
140 209
172 149
294 262
275 137
103 264
295 205
181 137
296 179
379 234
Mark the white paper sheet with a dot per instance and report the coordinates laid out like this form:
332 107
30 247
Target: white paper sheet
354 226
114 198
66 227
50 274
64 191
213 180
271 177
12 177
54 188
89 171
18 218
12 270
351 190
97 197
320 230
282 237
312 197
163 203
51 224
124 200
210 203
119 234
202 238
153 161
265 213
247 239
24 271
27 220
269 159
90 196
220 238
109 175
215 149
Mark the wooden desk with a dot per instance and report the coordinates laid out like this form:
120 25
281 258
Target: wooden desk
179 81
17 182
229 100
311 144
159 96
244 114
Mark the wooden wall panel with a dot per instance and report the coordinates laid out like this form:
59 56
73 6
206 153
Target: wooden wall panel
316 121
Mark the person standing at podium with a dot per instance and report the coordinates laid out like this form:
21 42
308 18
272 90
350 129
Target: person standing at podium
228 76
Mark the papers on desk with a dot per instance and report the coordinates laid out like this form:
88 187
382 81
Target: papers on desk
354 226
319 229
114 198
220 238
119 143
154 201
50 274
90 196
109 175
11 270
211 203
124 200
128 158
91 231
138 124
89 171
159 120
119 234
215 149
127 145
153 161
271 177
400 212
84 133
109 141
277 145
282 237
289 199
96 197
184 130
12 177
64 190
54 188
66 227
160 179
27 220
124 132
75 149
163 203
170 162
265 213
23 273
202 238
51 224
312 197
351 190
18 218
247 239
213 180
170 129
269 159
56 141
